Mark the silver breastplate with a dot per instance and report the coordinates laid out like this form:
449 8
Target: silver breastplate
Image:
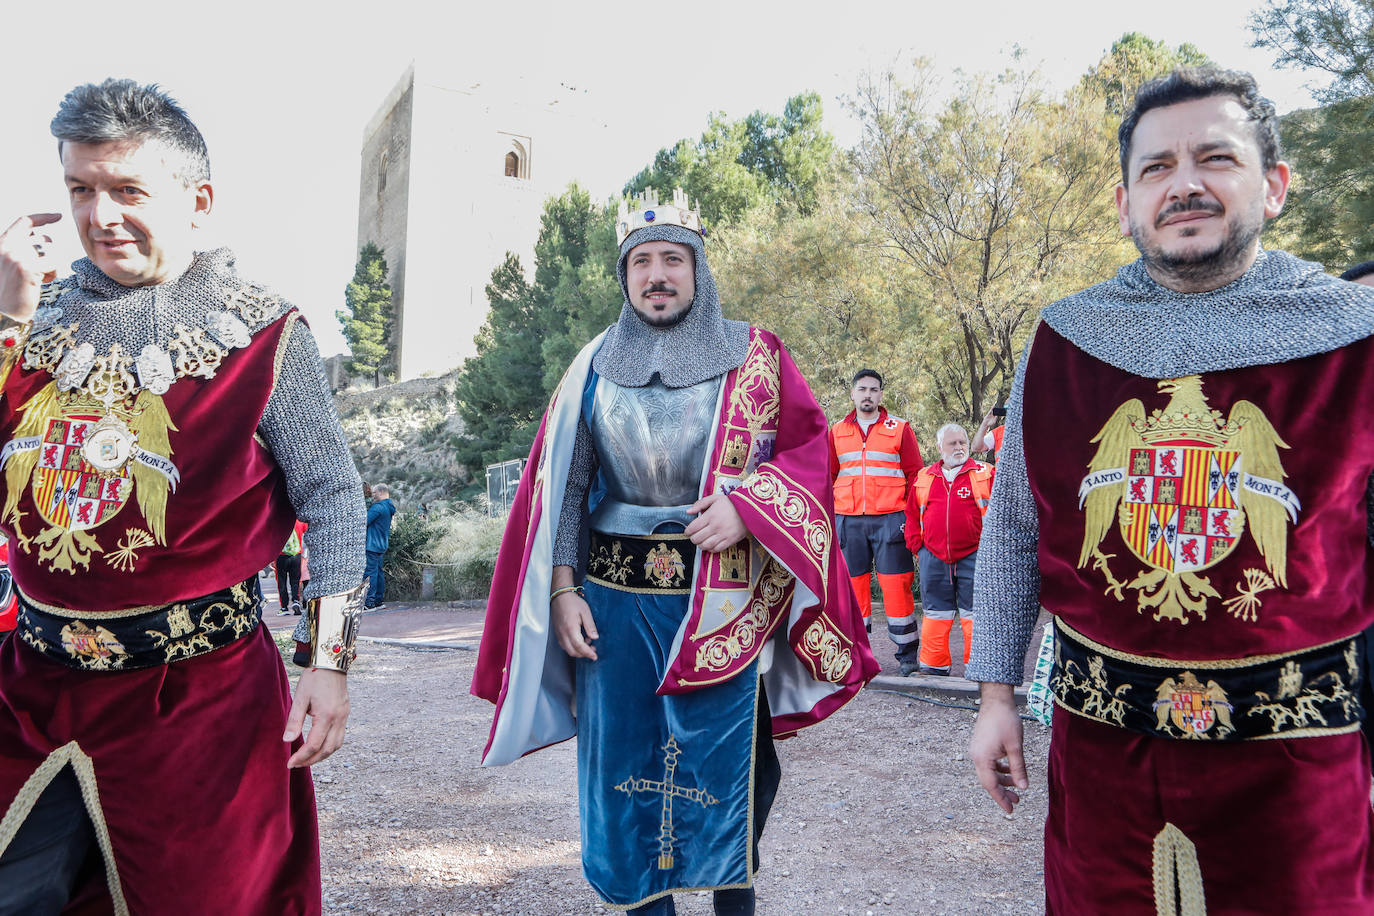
651 443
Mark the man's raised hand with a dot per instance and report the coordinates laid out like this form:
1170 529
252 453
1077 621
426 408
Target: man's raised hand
25 264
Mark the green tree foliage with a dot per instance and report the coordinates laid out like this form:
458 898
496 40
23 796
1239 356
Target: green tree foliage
760 160
996 202
827 285
500 392
1133 59
1330 212
575 281
366 318
533 330
1329 216
1333 37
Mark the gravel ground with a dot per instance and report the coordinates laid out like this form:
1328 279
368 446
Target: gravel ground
878 812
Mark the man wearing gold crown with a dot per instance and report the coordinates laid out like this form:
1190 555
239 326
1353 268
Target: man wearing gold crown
1167 492
669 587
164 424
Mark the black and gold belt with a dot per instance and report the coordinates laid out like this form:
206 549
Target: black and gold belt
141 637
660 565
1291 695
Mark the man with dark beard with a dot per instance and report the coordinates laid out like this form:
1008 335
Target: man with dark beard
669 587
1162 492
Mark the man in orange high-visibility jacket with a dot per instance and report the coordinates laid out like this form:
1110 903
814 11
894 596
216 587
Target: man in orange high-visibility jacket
873 458
944 519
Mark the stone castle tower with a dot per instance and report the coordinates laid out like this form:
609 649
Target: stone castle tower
454 175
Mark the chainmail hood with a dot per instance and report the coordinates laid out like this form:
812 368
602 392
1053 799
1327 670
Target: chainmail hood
701 346
107 312
1282 308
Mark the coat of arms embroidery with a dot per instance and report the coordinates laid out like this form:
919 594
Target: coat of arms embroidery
52 451
68 492
96 647
1192 707
1183 485
664 566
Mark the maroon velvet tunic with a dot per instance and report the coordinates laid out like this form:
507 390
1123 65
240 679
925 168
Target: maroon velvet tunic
226 517
1214 517
182 765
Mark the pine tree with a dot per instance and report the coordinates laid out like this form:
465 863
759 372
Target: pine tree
500 392
366 320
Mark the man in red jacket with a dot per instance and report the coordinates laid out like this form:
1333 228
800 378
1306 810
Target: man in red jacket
873 459
944 519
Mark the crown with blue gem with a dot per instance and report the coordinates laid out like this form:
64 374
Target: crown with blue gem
643 210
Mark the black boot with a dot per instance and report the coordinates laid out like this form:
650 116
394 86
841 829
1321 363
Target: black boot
736 901
909 658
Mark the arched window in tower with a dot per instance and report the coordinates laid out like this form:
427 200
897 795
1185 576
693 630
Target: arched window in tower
516 161
382 162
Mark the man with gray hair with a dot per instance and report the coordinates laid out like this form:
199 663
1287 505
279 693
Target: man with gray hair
944 519
1166 491
669 587
164 422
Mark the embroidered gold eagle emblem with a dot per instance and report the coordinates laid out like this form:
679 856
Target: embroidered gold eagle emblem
1183 484
96 647
664 567
70 494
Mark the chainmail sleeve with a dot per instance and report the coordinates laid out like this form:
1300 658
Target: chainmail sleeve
302 429
1006 581
567 542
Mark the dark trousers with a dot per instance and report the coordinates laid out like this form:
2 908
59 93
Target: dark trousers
288 580
376 592
736 901
39 869
739 901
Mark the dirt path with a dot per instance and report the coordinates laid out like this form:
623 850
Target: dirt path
878 812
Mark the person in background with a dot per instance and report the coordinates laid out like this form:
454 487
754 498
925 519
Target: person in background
873 459
379 516
944 519
990 432
288 569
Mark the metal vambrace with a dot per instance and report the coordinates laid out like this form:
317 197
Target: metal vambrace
333 622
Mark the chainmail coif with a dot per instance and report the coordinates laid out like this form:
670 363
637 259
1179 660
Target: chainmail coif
299 424
1282 308
703 345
